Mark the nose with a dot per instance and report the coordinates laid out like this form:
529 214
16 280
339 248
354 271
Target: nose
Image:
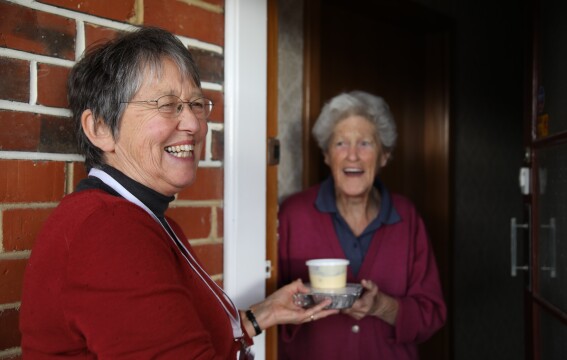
352 152
188 121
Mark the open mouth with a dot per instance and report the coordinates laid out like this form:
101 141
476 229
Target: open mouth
353 171
180 151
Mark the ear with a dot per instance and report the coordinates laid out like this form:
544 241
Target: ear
384 158
326 157
97 131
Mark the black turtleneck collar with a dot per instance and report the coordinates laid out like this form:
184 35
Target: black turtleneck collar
155 201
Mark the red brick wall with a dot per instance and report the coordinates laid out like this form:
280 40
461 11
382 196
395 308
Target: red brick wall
39 42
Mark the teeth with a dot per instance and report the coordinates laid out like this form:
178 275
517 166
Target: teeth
352 170
180 151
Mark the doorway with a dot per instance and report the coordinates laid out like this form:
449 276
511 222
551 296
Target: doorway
546 139
399 51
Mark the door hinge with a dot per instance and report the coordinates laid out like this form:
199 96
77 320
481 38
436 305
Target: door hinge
268 269
273 151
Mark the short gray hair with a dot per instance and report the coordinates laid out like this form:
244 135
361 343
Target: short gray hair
110 74
360 103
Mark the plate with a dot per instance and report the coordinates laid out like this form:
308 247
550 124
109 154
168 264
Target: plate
342 298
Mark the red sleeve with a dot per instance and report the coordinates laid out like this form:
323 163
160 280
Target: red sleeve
125 292
249 341
422 311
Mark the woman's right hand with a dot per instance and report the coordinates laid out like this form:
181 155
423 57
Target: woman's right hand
280 308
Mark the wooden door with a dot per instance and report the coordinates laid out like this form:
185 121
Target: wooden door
546 139
272 170
399 51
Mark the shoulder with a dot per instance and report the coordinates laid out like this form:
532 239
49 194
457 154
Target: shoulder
302 200
401 202
79 207
111 230
406 209
98 215
89 200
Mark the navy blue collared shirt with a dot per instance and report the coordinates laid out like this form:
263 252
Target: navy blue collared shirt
355 247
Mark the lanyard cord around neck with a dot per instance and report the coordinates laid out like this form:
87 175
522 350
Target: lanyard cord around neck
234 317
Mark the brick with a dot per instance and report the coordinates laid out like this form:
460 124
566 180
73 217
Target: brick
79 173
217 115
95 35
21 227
217 146
57 135
11 279
187 20
31 181
210 65
211 257
207 186
10 335
37 32
15 84
220 222
121 10
20 131
52 85
194 221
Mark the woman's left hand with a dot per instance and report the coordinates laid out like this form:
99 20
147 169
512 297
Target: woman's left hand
373 302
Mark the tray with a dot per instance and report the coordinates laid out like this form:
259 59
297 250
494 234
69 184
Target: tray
342 298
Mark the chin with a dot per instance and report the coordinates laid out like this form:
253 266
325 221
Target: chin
172 187
188 181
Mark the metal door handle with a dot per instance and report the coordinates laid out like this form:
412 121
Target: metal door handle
514 246
552 245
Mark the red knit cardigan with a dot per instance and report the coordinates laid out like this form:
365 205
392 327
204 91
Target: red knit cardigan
400 261
104 281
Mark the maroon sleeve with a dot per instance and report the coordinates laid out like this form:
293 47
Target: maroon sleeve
249 341
422 311
126 295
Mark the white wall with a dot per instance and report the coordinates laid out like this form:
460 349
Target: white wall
245 154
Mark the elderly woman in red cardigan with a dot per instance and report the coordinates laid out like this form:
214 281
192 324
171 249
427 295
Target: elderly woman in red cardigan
352 215
110 275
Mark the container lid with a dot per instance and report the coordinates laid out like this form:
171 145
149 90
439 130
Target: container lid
327 262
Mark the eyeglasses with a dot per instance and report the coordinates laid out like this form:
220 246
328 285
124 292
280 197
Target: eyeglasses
171 106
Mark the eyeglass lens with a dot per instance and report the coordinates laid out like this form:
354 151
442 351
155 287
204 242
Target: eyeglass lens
172 105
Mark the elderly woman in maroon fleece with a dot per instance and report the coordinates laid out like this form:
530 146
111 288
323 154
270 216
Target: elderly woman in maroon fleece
110 275
352 215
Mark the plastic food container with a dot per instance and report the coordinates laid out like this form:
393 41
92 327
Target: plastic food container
327 273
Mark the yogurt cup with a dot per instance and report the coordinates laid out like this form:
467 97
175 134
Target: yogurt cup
327 273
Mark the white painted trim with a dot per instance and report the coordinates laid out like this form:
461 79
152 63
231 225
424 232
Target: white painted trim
245 154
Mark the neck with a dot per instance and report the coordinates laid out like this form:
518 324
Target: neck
358 212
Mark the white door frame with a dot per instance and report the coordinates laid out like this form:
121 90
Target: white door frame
245 127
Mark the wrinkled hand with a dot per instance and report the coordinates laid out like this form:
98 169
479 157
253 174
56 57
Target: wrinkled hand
366 304
279 307
373 302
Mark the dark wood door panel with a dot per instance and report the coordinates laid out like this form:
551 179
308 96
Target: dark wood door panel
399 52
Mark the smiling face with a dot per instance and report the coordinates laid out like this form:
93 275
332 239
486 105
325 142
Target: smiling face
158 151
355 156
